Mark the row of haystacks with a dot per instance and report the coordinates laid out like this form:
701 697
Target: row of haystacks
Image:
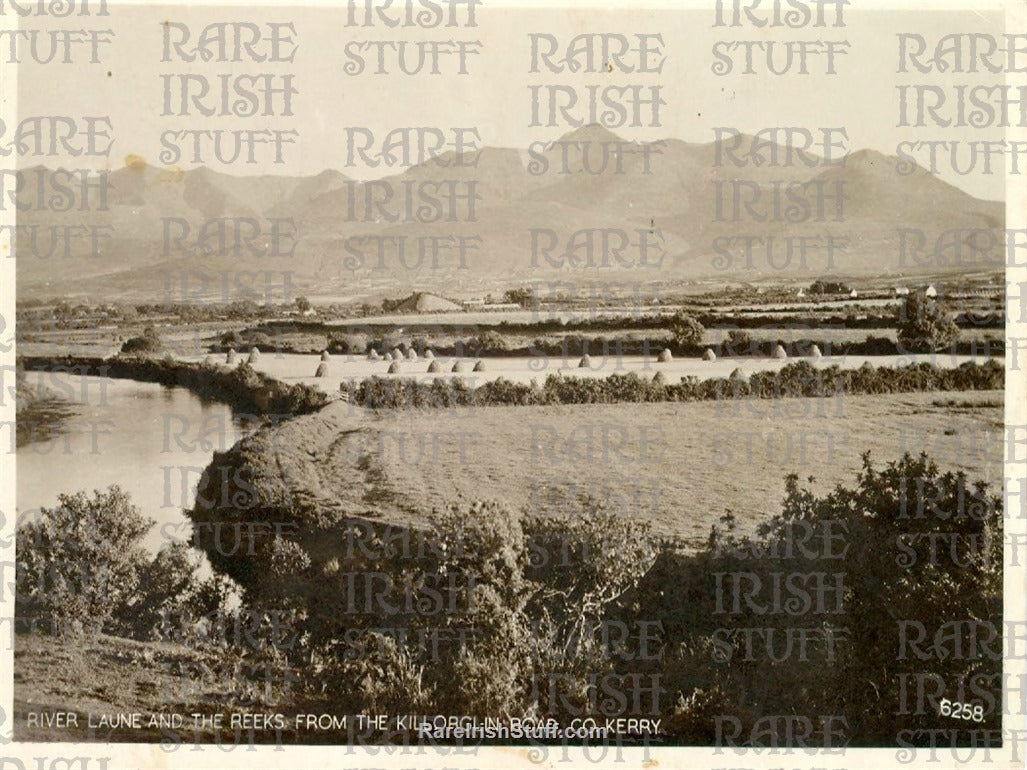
459 367
397 355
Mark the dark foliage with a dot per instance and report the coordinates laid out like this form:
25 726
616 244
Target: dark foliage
924 325
877 570
149 343
79 561
796 379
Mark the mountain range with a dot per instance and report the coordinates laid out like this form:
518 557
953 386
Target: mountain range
698 220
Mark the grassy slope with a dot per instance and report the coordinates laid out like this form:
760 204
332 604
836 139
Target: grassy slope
104 675
398 466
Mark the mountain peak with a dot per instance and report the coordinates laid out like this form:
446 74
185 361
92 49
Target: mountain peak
872 158
593 132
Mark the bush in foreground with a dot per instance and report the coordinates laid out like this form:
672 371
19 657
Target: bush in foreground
79 561
524 615
875 571
81 567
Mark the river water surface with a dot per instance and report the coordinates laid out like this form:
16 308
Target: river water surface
152 440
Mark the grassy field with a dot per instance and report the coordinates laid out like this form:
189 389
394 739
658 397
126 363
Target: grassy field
678 466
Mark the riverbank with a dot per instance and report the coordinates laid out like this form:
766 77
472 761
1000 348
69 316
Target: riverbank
40 413
241 387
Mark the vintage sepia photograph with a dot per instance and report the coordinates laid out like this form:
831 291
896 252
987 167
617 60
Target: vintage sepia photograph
624 382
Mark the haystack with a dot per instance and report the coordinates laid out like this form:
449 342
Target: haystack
428 355
459 367
709 355
780 352
230 358
397 354
325 355
664 356
373 355
387 357
479 366
814 352
434 368
208 361
585 362
254 356
394 367
737 374
659 379
411 355
423 302
322 370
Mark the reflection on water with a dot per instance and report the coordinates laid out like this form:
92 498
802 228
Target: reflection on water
152 440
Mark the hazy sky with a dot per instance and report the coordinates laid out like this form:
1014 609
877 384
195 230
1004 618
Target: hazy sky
494 96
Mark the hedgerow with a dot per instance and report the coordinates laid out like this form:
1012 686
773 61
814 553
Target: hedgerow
798 379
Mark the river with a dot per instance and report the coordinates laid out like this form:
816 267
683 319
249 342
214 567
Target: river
152 440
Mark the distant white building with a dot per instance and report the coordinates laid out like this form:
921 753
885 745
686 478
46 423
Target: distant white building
901 291
854 294
931 291
801 293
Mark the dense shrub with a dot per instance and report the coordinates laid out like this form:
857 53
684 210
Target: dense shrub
167 586
232 339
686 332
81 567
738 343
515 608
349 344
924 326
149 343
248 338
884 573
79 562
483 583
488 342
828 287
